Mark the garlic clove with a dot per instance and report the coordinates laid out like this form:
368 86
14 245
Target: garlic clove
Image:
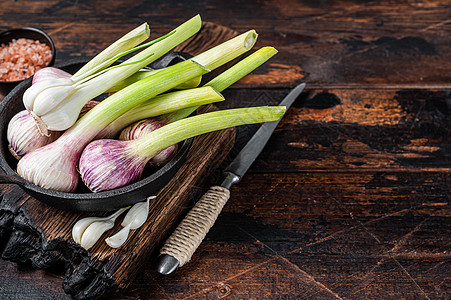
80 227
87 231
135 218
137 215
94 231
117 240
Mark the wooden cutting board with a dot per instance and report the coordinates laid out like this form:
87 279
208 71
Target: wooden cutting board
34 233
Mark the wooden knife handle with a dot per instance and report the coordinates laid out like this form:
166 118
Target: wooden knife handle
194 227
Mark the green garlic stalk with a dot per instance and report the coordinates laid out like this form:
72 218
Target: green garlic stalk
108 164
55 104
221 82
127 42
161 104
54 165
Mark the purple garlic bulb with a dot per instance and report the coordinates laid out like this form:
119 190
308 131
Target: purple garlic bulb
100 157
143 127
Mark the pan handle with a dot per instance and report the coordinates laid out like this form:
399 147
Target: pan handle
11 179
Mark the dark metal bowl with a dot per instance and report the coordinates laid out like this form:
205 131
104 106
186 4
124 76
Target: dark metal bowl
81 200
28 33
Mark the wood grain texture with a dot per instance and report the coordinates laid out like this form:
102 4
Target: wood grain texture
350 198
356 130
335 42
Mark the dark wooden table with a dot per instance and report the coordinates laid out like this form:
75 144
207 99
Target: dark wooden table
350 199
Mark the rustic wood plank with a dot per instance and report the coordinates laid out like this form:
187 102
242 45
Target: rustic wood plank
317 235
350 42
355 129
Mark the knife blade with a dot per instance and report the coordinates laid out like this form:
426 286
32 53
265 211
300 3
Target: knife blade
181 245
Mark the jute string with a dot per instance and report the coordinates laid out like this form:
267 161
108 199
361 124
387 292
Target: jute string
195 226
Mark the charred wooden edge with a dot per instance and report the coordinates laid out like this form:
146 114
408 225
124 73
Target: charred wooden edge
85 279
26 245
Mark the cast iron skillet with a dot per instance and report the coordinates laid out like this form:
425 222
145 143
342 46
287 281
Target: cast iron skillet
81 200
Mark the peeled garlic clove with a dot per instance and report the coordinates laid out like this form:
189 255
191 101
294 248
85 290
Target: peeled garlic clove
88 230
135 218
137 215
80 227
93 233
119 238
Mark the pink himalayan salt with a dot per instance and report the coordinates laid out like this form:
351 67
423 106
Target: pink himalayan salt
21 58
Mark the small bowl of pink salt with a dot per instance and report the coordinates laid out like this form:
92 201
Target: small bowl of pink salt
23 51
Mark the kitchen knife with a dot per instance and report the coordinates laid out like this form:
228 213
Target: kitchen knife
183 242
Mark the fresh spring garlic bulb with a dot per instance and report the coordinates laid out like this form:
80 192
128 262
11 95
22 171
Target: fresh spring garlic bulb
44 85
86 232
47 100
23 135
53 89
92 164
56 98
141 128
135 218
